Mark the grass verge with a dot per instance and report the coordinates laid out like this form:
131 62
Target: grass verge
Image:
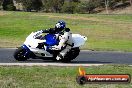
56 77
104 32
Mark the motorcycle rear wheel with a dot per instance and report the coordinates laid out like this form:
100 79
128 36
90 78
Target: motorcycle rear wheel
72 54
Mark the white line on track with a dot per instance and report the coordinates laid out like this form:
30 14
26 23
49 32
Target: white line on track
46 64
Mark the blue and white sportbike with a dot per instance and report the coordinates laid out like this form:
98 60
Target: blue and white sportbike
37 46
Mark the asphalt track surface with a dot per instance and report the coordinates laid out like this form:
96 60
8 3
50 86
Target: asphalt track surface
85 57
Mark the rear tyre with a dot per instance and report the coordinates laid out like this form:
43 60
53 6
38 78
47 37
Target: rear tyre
19 54
55 53
72 54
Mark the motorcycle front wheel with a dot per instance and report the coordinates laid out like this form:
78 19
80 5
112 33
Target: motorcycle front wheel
19 54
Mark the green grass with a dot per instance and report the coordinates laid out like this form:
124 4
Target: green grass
56 77
104 32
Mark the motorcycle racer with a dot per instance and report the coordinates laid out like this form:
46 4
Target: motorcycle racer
58 44
65 38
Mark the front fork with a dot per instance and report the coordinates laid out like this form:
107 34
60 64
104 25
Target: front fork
27 51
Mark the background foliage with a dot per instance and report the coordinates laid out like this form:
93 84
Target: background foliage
67 6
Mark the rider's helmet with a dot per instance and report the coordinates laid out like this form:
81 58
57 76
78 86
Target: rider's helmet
60 25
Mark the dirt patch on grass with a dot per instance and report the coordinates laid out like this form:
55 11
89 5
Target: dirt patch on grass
2 13
95 19
71 17
9 44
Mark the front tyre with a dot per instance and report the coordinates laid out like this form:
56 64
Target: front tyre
19 54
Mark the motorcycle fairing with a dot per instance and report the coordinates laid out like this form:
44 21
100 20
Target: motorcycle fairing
31 43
